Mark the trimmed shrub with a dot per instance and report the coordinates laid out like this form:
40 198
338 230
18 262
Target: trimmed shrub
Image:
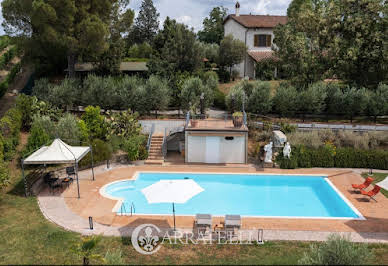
303 156
322 157
337 250
328 156
286 163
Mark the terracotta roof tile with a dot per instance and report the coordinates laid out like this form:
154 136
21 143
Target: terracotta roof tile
261 55
258 21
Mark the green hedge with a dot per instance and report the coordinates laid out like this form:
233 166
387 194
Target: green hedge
328 157
9 79
10 126
4 42
7 57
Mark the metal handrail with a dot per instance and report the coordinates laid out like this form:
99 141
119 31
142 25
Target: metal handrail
123 208
133 210
150 137
164 145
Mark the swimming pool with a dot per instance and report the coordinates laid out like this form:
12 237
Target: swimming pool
283 196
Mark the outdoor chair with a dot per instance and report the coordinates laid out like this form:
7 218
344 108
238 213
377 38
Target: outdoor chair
203 222
371 194
366 184
232 223
70 171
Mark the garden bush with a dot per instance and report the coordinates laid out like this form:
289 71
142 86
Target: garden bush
95 123
7 57
10 126
102 151
4 174
135 146
265 69
219 99
329 156
224 75
337 250
341 139
285 100
9 79
38 137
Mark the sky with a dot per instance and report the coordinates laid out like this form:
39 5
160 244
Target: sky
192 12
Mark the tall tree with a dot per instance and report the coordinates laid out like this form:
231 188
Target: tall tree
147 23
358 31
175 50
78 27
302 41
232 52
213 27
120 23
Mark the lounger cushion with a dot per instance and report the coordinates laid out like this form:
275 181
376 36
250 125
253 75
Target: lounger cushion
203 219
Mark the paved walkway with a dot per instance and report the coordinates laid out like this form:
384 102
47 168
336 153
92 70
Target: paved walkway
55 209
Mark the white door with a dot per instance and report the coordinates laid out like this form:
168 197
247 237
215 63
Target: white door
212 150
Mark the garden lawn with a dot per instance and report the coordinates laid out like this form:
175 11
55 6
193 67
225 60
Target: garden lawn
378 177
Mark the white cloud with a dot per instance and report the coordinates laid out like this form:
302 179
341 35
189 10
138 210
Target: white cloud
184 19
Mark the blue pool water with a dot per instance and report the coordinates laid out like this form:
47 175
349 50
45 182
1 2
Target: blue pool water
246 195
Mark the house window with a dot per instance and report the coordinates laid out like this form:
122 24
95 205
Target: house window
263 40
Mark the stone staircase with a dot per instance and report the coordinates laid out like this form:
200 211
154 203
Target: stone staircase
155 155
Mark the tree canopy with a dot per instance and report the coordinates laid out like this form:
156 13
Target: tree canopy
335 38
232 52
78 28
146 24
175 50
213 27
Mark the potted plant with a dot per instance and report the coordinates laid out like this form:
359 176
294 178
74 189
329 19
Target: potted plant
238 119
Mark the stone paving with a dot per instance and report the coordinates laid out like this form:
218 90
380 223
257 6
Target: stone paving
71 213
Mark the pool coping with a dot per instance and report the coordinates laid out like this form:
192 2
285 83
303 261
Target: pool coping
120 201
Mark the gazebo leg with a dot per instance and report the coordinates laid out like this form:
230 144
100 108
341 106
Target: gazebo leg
24 180
91 149
76 173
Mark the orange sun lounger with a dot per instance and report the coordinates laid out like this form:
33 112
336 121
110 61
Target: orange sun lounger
366 184
371 193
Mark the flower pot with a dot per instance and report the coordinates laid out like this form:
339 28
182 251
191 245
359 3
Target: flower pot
237 121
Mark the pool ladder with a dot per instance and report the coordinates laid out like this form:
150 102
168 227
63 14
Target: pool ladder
123 209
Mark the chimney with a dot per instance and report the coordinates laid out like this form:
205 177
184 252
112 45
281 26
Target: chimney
237 9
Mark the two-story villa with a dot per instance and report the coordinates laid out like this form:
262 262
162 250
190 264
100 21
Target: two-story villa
256 31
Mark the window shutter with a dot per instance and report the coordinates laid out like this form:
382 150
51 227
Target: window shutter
256 41
269 40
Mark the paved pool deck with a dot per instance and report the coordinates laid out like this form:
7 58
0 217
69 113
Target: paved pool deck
71 213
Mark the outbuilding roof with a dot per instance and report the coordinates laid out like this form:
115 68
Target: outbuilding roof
124 66
258 21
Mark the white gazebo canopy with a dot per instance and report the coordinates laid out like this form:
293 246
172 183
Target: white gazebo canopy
57 153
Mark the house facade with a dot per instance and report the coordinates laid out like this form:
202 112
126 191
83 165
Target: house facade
256 31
